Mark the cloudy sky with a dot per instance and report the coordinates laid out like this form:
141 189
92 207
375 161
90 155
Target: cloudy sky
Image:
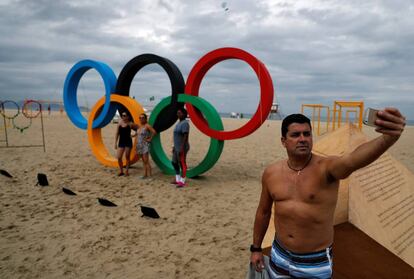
316 51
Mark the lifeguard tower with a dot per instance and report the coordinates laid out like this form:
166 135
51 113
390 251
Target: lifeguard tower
274 112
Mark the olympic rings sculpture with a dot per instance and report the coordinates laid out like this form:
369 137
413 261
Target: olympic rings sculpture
164 115
23 111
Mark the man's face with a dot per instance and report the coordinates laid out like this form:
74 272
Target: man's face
298 140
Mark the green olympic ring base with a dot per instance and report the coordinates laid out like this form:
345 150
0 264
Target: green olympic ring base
216 146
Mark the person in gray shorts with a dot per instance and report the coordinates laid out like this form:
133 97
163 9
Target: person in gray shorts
180 148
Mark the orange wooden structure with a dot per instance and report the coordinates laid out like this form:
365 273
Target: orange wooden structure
319 107
337 109
348 112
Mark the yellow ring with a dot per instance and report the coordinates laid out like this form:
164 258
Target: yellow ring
95 137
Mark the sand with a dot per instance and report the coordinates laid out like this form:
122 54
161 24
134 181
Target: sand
204 232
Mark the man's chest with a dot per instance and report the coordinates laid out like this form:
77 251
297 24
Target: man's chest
310 188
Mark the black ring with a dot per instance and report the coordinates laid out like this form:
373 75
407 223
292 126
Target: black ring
168 116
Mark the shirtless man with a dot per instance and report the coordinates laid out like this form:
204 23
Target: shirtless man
304 191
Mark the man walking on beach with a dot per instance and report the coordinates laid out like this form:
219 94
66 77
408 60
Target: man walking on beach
304 191
180 148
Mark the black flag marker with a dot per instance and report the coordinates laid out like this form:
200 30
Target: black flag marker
42 179
5 173
105 202
149 212
68 191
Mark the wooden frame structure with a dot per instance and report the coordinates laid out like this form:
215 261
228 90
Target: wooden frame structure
319 107
339 105
349 111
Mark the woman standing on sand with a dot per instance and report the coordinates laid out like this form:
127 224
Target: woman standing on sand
145 133
123 134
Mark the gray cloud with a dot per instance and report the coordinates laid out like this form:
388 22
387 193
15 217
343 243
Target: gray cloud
316 51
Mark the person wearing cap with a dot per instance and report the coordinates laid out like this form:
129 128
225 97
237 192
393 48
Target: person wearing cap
303 190
180 148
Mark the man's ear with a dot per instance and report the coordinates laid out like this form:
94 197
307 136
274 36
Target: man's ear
282 140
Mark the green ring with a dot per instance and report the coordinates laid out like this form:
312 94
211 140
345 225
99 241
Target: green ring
216 146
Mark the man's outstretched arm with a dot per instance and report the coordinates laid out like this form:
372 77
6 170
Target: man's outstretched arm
391 124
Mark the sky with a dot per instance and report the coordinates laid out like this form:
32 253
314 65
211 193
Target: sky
316 51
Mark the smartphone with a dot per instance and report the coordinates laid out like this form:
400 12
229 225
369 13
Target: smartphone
370 115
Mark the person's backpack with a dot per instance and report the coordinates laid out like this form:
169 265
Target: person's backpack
42 179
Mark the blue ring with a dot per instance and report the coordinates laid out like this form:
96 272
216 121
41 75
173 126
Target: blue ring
70 88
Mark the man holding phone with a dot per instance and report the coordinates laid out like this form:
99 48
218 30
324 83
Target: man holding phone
304 192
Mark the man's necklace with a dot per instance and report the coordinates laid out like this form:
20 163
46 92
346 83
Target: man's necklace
302 168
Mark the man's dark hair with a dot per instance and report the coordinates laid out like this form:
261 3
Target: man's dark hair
293 118
184 111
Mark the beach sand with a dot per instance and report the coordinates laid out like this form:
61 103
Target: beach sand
204 232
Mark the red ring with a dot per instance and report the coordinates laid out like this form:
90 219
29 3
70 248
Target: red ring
266 92
26 102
